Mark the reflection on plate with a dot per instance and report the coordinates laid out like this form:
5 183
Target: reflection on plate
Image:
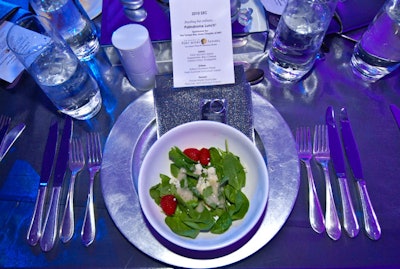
92 7
130 139
205 134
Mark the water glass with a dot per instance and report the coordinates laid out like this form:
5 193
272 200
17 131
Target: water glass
378 52
298 38
54 67
73 23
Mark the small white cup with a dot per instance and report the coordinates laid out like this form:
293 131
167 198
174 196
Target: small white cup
136 54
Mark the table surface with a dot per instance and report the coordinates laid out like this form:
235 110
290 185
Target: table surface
331 83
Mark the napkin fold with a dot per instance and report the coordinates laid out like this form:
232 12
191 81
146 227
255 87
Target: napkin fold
12 10
175 106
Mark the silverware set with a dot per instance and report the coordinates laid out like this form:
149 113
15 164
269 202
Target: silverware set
350 222
326 148
70 153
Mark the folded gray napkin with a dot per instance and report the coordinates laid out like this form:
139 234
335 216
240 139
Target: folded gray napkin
230 104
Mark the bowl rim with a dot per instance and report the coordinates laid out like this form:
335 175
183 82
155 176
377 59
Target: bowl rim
189 243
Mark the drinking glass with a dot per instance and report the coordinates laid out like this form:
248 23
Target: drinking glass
54 67
378 52
298 38
73 23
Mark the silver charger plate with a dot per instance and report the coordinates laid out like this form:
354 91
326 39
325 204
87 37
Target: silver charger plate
129 140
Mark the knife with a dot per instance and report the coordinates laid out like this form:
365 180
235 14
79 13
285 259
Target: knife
396 113
4 128
35 228
350 222
371 223
50 227
10 138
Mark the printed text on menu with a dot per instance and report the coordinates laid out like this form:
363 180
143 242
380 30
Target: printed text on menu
201 42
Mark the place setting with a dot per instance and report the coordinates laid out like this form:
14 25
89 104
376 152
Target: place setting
188 110
128 143
203 161
195 92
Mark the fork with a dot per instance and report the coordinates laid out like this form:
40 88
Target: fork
322 156
4 123
94 163
76 164
303 141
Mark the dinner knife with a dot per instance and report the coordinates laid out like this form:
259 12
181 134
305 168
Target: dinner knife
371 223
10 138
350 222
35 228
50 227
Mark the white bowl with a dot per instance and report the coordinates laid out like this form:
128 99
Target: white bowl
206 134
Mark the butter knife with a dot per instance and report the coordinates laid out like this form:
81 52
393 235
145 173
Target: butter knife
371 223
10 138
350 222
35 228
50 227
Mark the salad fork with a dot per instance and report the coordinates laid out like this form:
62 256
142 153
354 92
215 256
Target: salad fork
303 141
76 164
322 156
94 163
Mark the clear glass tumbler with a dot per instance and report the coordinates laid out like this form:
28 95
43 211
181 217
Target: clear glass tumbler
74 25
378 52
54 66
298 38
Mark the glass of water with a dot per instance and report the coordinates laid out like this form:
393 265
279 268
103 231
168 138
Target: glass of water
298 38
54 67
73 23
378 52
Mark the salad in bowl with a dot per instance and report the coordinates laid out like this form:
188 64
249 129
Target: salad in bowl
203 185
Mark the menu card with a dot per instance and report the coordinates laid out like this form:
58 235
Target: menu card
202 50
